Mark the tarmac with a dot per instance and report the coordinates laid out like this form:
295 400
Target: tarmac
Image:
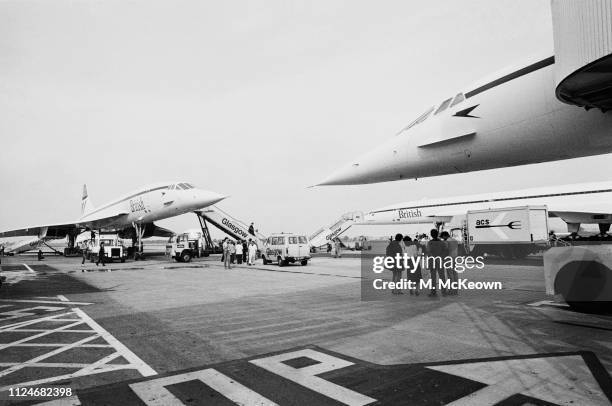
158 332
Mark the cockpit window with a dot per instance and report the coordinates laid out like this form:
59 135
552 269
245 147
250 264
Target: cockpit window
443 106
183 186
171 187
189 185
419 120
458 99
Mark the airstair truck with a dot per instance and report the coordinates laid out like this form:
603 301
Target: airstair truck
327 235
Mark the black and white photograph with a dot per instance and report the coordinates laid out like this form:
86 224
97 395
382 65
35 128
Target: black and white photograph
320 203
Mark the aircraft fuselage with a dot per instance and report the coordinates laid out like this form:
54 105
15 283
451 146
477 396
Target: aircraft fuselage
513 120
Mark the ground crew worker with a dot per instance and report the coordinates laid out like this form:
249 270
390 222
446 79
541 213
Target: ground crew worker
101 255
337 248
85 251
40 255
252 229
239 252
227 255
252 252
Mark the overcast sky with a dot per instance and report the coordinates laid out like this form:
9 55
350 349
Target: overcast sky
255 99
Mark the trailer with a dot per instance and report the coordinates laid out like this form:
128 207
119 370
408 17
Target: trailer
512 232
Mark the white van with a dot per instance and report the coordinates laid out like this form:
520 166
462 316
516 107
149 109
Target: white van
286 248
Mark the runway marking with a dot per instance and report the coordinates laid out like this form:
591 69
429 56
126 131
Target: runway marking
306 376
63 302
71 338
549 379
29 269
549 303
154 393
294 377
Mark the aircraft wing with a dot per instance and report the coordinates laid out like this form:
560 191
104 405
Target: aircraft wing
63 229
46 231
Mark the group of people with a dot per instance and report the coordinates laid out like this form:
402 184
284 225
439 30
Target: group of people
440 245
238 252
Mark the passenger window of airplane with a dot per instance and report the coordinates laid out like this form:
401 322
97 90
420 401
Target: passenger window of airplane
458 99
443 106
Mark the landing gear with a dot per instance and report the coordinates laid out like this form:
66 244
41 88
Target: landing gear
138 252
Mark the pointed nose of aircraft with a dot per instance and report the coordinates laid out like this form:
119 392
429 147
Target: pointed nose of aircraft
379 165
347 175
205 198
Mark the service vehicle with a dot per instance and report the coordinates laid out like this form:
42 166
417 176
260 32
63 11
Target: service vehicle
285 248
186 246
113 248
512 232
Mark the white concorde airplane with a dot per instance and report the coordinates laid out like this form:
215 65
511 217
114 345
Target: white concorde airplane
513 118
584 203
131 215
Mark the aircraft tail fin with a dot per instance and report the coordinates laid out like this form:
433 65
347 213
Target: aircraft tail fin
86 204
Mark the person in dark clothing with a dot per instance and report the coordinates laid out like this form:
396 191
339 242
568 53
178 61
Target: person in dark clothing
393 249
436 251
101 255
452 251
414 275
252 229
40 255
245 251
85 251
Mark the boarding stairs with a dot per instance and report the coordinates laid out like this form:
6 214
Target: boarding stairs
326 235
230 225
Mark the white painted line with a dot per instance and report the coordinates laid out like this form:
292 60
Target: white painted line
45 356
69 401
98 364
61 344
26 339
140 365
548 303
55 302
29 269
19 313
46 364
39 330
63 298
13 326
154 393
308 378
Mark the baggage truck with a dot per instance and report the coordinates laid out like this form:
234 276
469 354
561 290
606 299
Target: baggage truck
512 232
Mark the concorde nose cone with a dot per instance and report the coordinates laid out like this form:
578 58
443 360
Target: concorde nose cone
347 175
206 198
